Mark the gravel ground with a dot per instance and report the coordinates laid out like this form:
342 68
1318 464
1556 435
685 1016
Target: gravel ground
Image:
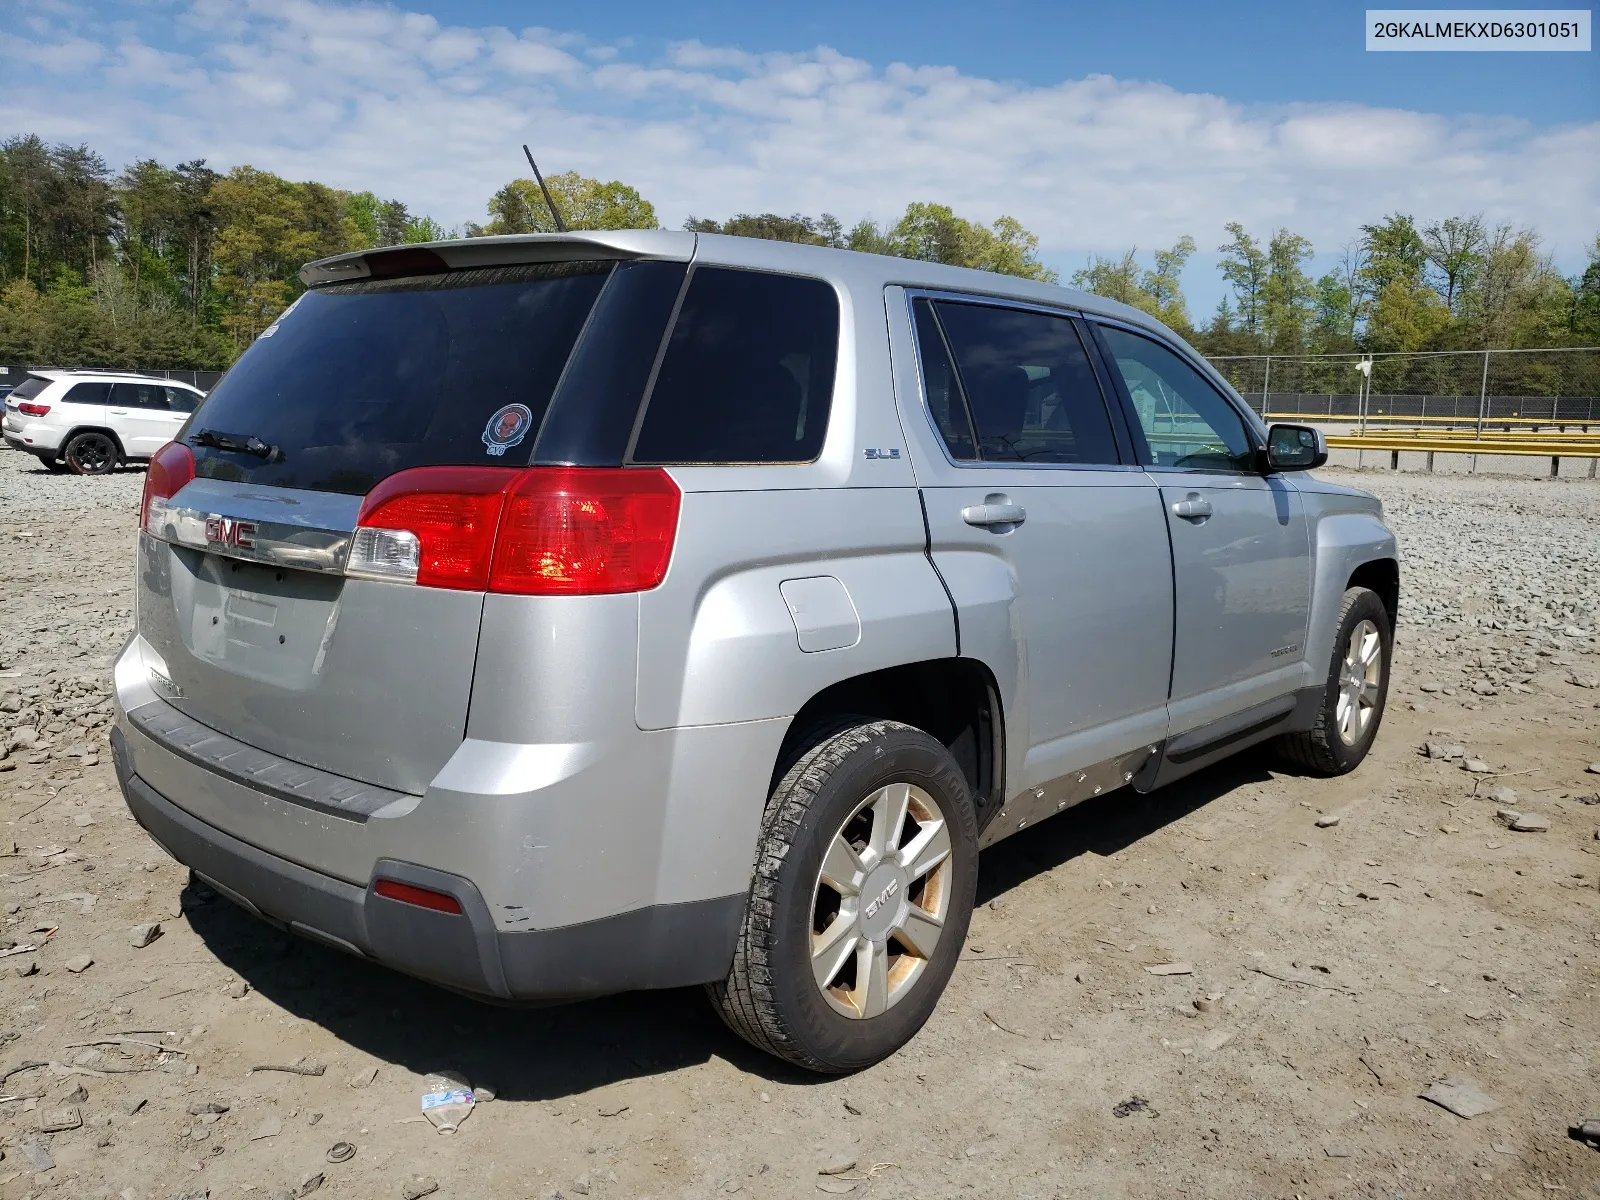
1338 970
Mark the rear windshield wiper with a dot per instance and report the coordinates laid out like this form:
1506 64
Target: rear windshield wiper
242 443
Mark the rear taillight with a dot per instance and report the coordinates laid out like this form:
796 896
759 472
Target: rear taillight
33 410
539 531
393 889
171 467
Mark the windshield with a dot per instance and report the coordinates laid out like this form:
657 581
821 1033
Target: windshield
360 380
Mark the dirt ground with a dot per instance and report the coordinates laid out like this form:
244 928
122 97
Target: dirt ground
1343 969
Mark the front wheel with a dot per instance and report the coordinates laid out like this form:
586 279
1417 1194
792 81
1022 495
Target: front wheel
864 884
90 454
1357 689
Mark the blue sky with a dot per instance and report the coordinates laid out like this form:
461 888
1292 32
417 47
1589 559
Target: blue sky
1098 126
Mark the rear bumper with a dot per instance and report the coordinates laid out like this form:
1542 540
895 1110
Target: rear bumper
33 436
664 945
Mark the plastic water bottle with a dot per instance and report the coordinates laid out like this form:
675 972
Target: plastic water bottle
446 1100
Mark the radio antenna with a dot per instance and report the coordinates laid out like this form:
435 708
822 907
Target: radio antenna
555 213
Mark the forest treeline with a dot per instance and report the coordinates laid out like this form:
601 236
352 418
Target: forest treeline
161 266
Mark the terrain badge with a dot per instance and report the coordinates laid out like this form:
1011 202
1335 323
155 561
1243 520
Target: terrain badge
507 427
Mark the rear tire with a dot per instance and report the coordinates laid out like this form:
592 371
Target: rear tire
1357 690
91 454
864 883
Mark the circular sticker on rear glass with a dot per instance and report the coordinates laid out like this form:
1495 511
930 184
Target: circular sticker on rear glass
507 427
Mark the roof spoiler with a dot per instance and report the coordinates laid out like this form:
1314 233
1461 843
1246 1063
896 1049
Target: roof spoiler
432 258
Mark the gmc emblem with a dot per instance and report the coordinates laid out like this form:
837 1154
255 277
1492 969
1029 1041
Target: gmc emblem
228 532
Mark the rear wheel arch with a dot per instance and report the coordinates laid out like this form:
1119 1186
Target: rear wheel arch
122 451
954 700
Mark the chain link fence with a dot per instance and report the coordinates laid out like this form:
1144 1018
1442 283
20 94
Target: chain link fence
1556 385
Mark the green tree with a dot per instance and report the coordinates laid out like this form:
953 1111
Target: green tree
1157 290
585 203
1244 265
1454 247
1288 297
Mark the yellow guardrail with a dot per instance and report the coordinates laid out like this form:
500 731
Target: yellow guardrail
1389 418
1553 448
1488 435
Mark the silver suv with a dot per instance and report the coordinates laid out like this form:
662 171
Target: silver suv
561 615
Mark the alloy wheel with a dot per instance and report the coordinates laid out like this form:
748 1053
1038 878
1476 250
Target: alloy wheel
1360 678
881 899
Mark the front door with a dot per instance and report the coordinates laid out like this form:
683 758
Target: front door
1054 548
1240 551
142 418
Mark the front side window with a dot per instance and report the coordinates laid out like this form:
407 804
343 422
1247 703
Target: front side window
139 395
1029 389
748 372
1185 420
181 400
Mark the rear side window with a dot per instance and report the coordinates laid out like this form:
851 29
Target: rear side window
1028 384
86 393
945 401
28 388
360 380
747 376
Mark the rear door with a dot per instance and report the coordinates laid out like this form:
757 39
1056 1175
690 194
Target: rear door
251 626
1054 548
1240 549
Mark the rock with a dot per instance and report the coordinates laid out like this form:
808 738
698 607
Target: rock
144 934
367 1074
309 1184
1593 768
1174 968
77 1095
132 1105
581 1184
1461 1096
79 964
838 1166
238 989
1476 766
1327 821
482 1094
419 1186
1503 795
37 1155
23 970
1530 823
271 1127
207 1106
1584 681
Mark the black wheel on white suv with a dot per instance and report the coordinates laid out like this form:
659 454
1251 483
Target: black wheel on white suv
864 882
91 454
1357 689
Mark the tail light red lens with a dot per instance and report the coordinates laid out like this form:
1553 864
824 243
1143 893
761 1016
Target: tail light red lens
171 467
540 531
586 531
450 515
406 893
33 410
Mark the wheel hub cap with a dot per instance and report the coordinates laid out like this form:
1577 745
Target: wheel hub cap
1360 678
880 902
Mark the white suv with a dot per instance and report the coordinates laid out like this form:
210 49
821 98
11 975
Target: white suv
89 421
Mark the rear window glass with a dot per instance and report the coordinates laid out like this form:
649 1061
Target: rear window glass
28 388
88 393
748 372
360 380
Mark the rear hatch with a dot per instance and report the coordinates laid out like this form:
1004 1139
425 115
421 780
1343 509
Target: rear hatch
244 592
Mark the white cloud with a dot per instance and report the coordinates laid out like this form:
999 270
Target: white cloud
370 96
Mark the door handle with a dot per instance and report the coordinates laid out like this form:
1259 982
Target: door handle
1193 507
994 514
117 412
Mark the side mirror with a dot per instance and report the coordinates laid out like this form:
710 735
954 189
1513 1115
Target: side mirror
1295 448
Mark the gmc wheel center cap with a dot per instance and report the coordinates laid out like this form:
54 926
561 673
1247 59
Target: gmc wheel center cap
883 901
